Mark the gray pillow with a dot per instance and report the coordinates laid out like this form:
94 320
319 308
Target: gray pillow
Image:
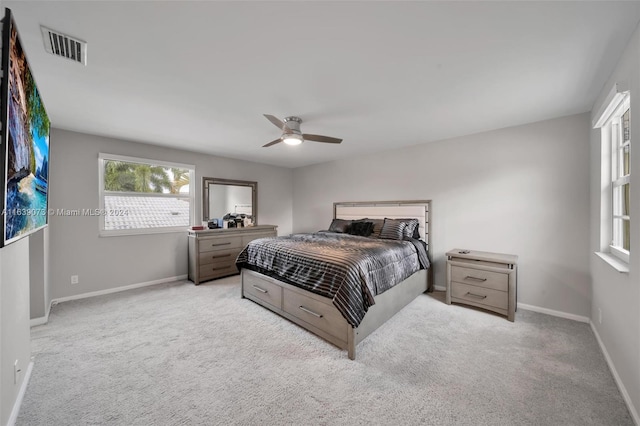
377 227
411 229
393 229
339 225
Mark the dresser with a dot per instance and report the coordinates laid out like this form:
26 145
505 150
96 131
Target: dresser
213 252
483 279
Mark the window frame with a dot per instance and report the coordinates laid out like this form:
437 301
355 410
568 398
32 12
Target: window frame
612 152
103 157
618 180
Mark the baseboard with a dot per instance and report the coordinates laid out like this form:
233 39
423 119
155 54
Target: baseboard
439 288
45 319
118 289
616 377
551 312
42 320
39 321
546 311
23 388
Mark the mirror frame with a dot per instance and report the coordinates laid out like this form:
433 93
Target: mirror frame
206 181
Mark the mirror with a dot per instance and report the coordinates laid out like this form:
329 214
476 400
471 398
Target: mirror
221 197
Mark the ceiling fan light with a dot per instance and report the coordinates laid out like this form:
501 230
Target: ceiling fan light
292 139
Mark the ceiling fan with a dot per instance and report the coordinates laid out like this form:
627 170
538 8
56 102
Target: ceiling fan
291 134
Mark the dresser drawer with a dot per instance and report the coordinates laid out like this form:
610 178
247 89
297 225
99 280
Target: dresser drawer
210 271
224 243
321 315
218 257
268 292
480 278
480 295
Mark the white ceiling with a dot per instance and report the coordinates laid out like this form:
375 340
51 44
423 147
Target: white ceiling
199 75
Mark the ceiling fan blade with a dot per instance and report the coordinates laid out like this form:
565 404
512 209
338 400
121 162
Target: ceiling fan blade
277 122
272 142
320 138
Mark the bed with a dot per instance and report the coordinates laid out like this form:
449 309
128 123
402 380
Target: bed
336 303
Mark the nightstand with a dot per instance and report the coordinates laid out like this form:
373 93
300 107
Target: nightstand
482 279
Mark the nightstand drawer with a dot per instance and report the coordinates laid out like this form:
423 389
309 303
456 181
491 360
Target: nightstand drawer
480 295
480 278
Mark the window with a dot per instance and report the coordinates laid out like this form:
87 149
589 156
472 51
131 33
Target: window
620 183
139 196
614 123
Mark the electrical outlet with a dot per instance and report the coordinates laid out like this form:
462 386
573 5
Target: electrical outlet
74 279
16 372
599 316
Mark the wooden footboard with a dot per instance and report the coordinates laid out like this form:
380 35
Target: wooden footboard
318 314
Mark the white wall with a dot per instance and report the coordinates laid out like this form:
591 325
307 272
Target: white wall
616 294
14 322
37 274
522 190
103 263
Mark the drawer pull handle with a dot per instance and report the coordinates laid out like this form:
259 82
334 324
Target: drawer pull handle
469 277
221 255
310 312
477 296
261 290
221 244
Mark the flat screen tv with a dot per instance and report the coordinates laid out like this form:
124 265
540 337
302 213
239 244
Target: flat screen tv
24 143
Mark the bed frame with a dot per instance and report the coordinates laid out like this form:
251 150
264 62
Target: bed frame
316 313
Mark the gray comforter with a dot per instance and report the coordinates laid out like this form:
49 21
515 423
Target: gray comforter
348 269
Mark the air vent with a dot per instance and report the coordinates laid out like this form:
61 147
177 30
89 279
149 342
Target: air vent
65 46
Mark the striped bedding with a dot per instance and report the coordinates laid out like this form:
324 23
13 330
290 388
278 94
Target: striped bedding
348 269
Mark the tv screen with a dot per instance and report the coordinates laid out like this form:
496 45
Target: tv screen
25 141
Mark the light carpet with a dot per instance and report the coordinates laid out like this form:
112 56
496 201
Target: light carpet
179 354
